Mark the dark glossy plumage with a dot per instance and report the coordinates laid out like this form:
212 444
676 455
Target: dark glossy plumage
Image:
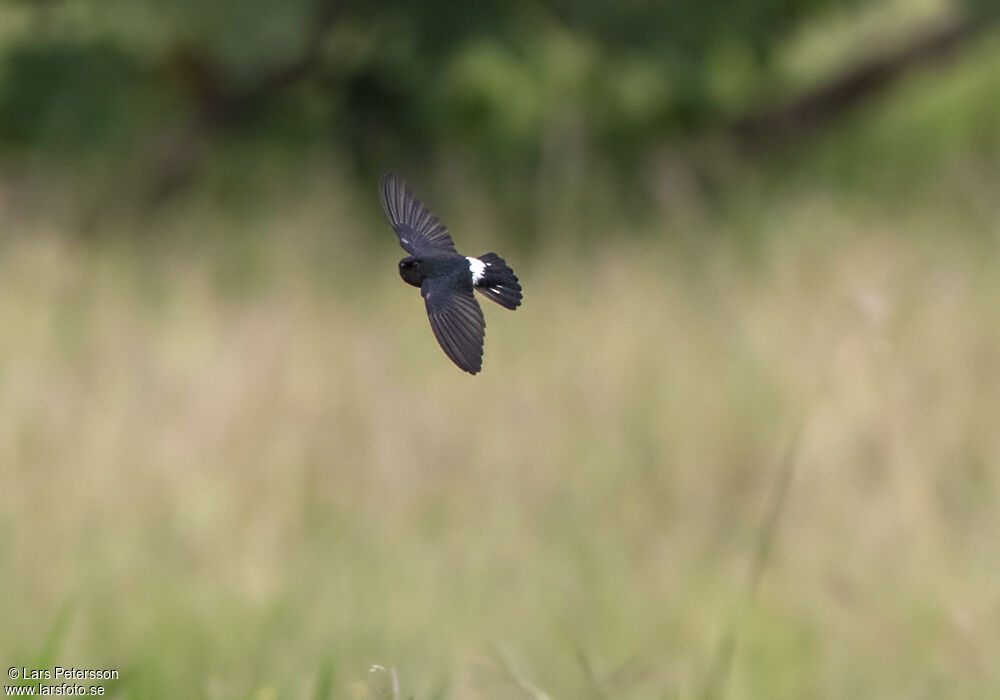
446 279
419 231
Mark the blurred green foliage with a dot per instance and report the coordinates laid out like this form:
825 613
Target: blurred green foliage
534 93
378 78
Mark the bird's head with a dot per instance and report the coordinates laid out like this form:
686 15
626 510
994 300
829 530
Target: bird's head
412 271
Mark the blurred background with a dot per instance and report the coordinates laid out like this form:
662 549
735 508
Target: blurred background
740 441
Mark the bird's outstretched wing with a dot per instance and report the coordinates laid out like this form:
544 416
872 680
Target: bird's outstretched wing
419 231
457 322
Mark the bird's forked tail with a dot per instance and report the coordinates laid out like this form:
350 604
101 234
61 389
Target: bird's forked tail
498 282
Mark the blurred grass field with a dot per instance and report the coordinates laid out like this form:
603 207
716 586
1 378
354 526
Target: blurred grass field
234 462
247 471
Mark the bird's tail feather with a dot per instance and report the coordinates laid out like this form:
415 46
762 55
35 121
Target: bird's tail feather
499 282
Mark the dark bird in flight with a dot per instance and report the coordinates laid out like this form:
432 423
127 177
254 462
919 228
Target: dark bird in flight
446 279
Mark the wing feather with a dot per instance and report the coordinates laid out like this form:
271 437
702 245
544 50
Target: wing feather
418 230
457 322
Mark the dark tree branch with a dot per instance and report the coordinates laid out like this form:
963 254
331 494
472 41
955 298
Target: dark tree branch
775 125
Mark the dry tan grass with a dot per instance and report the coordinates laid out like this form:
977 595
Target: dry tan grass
239 491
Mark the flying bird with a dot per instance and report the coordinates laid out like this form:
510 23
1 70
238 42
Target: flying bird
446 279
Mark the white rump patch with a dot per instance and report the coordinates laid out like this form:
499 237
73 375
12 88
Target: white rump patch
478 269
